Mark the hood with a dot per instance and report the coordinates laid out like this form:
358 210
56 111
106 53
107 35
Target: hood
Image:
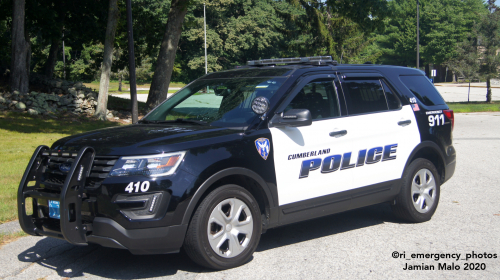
143 139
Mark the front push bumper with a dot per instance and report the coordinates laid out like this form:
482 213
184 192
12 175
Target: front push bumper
71 227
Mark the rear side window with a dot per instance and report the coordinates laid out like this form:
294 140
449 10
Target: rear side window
422 88
364 96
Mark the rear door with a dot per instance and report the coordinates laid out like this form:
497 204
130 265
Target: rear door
385 132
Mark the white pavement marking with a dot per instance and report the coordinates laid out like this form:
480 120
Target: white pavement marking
351 245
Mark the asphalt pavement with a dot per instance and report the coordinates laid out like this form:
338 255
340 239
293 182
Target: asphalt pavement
359 244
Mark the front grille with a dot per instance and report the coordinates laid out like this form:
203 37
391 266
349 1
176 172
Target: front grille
54 176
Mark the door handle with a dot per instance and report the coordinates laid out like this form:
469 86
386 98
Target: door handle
404 123
338 133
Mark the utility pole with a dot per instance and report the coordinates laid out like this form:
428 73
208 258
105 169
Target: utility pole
205 31
418 35
131 63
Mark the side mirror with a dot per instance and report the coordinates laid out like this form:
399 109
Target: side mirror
293 117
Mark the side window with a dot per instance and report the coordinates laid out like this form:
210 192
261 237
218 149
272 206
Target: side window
319 98
422 88
364 96
392 100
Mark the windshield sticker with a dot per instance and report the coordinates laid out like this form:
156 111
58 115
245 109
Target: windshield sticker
263 147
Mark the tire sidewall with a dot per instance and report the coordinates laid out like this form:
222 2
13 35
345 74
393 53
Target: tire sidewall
210 202
406 196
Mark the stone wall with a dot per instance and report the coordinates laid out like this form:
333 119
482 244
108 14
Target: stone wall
57 96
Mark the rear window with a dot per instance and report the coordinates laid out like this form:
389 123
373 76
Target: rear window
364 96
423 90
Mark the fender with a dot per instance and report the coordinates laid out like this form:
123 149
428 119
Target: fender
426 144
219 175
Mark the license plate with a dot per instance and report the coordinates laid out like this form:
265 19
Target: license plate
54 209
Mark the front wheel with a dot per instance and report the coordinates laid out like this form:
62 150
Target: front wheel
225 229
419 196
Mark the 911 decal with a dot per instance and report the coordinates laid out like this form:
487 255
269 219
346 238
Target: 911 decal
144 187
342 162
436 118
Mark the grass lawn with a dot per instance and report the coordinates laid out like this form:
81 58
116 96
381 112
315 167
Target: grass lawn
464 107
10 237
20 134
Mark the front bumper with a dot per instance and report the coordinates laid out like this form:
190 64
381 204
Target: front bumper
161 240
71 226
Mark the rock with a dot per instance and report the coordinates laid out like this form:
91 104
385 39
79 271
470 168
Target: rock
32 112
81 95
13 102
58 84
29 102
77 101
16 92
78 85
34 93
72 91
2 100
21 106
78 110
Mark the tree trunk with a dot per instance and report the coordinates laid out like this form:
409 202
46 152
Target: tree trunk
50 64
102 101
488 90
19 77
120 82
165 63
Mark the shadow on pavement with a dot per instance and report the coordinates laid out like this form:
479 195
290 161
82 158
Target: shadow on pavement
73 261
325 226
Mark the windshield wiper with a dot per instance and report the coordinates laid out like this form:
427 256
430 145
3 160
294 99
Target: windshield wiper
176 121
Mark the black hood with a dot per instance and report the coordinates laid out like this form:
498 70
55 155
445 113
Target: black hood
143 139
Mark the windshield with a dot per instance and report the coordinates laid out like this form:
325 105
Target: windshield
218 102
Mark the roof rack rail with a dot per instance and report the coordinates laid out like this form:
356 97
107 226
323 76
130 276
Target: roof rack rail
314 60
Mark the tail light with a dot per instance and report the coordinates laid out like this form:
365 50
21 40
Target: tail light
449 114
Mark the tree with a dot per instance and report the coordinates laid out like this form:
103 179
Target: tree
102 101
489 45
237 31
443 24
166 58
333 27
466 62
19 77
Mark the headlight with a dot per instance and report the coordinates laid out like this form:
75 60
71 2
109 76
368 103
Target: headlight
151 166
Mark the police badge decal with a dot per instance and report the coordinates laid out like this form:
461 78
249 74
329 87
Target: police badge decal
263 147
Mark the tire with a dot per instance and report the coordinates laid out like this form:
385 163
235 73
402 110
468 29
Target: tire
220 235
419 196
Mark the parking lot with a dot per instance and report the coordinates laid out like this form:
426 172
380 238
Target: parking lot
355 244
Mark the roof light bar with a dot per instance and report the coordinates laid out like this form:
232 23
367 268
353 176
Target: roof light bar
293 60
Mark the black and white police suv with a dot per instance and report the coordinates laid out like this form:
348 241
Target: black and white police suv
237 152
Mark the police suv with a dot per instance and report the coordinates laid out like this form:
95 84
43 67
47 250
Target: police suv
237 152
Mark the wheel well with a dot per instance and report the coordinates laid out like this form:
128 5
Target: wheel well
243 181
433 156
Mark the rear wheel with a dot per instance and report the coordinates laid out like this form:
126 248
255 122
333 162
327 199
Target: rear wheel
225 229
419 195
